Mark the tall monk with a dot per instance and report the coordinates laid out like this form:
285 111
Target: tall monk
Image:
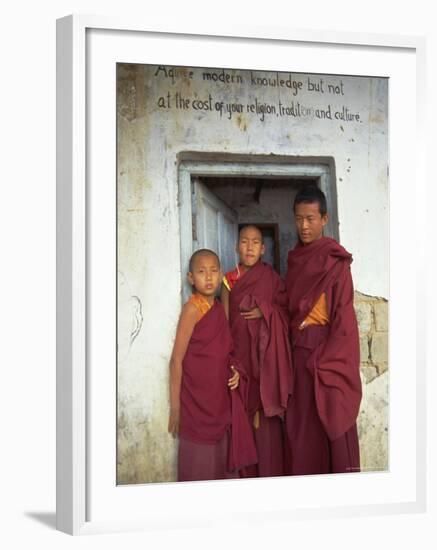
321 417
207 410
255 301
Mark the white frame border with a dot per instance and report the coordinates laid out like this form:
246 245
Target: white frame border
71 389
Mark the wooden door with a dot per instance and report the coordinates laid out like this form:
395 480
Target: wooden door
215 225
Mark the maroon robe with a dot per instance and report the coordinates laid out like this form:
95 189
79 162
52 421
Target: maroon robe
215 436
262 346
321 418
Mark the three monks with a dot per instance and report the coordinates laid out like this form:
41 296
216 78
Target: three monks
293 351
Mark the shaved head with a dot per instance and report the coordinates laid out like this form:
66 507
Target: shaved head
198 254
250 228
309 194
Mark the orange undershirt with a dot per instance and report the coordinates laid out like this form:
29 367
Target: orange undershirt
232 277
201 304
318 315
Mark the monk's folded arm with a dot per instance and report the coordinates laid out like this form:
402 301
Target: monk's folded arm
265 308
348 290
343 293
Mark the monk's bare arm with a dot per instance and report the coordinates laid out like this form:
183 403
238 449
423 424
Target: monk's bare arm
224 298
254 313
184 331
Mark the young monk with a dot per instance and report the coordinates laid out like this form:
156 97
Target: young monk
321 417
254 299
206 409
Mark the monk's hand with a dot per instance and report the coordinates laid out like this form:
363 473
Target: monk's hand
254 313
234 380
173 422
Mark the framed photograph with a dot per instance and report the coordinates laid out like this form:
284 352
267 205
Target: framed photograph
171 140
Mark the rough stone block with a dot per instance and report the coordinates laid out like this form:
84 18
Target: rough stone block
364 349
381 316
368 374
382 367
363 311
373 425
379 348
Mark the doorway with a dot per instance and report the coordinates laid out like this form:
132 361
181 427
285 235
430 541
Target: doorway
217 198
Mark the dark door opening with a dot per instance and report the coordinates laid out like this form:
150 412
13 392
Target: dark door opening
265 202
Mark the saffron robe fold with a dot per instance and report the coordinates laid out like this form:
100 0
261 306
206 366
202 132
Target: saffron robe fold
209 409
324 267
262 345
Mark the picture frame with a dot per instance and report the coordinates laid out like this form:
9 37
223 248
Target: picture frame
79 232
